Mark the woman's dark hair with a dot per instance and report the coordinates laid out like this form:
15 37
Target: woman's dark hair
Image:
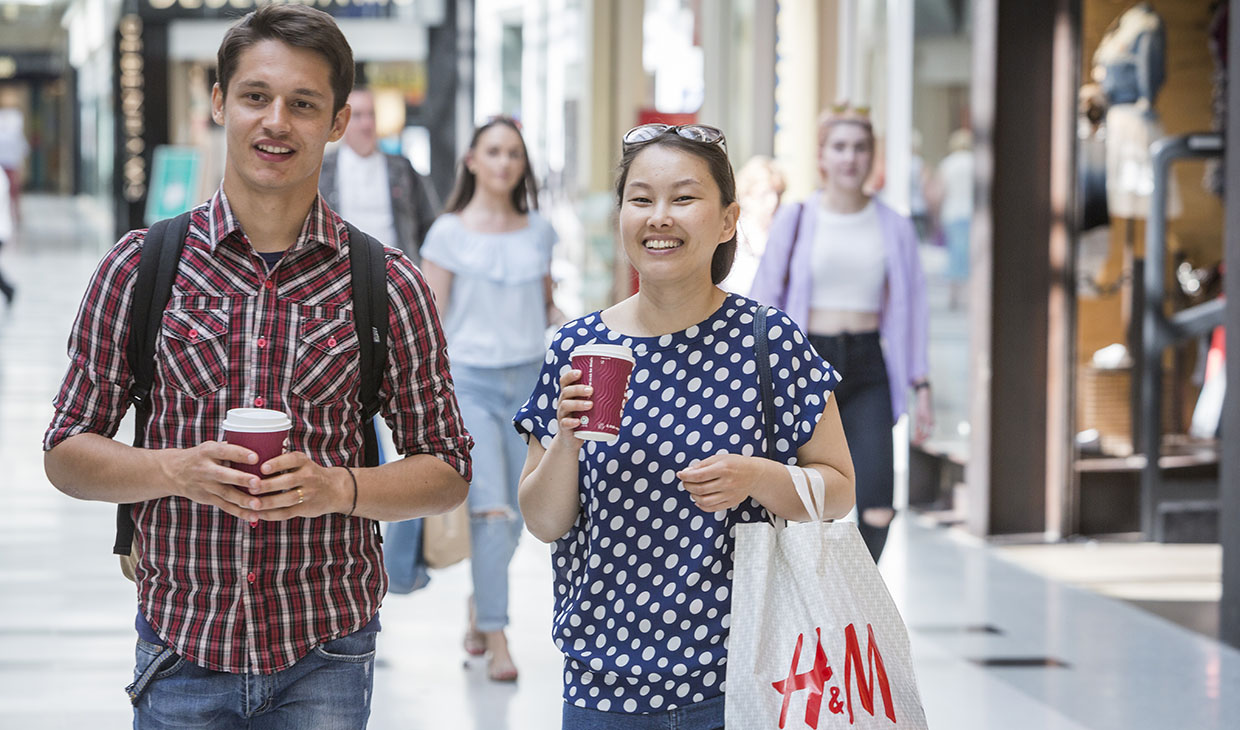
524 195
298 26
716 160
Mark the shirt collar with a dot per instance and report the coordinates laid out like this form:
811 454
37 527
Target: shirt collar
322 226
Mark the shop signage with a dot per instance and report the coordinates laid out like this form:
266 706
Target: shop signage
245 4
132 101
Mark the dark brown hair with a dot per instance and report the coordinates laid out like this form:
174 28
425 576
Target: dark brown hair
524 195
298 26
716 160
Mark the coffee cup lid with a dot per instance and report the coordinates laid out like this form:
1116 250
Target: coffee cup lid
618 351
256 420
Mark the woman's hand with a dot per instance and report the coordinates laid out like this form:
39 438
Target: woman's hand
923 416
574 399
722 481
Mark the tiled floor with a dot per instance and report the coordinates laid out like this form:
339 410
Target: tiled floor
982 627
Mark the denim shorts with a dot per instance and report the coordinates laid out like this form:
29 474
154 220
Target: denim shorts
328 689
705 715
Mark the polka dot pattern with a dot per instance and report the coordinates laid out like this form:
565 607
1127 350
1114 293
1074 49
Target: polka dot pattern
643 579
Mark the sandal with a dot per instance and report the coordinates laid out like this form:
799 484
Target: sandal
498 671
475 641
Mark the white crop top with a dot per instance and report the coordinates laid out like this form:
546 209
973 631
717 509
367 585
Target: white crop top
849 263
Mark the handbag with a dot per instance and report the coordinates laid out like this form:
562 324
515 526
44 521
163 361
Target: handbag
445 537
816 640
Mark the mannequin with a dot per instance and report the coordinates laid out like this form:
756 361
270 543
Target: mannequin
1130 66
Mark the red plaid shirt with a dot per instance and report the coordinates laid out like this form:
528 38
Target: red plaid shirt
223 594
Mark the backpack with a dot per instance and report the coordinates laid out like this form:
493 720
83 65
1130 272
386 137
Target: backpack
157 268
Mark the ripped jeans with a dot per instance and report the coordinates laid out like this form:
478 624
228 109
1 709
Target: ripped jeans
489 397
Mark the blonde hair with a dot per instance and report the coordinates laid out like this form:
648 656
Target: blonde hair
844 112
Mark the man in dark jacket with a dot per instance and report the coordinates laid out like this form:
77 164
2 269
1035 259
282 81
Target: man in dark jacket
379 193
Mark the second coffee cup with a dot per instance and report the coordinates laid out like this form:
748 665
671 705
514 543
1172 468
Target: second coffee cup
606 368
261 430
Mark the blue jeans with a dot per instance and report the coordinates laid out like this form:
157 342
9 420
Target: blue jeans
705 715
489 397
328 689
864 398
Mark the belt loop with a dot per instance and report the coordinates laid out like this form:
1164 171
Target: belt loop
139 685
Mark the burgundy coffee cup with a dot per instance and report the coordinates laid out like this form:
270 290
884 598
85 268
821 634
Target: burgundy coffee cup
263 431
606 368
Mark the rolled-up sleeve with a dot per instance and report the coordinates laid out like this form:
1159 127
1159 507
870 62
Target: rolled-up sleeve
94 394
419 402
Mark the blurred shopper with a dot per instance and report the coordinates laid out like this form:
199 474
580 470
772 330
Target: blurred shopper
379 193
13 152
918 204
643 527
7 229
846 268
955 183
488 260
260 608
760 184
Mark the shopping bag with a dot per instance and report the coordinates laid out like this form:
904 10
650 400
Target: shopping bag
445 537
816 641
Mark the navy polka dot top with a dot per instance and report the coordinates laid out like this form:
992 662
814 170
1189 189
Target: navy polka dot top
643 578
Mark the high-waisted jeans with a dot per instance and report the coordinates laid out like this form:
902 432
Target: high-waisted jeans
488 398
864 399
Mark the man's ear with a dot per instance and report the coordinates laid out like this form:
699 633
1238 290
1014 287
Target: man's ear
217 104
341 122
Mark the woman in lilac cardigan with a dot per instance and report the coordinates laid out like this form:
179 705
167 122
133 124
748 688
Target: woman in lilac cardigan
845 267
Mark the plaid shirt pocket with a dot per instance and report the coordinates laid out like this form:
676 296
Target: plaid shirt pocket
327 360
194 350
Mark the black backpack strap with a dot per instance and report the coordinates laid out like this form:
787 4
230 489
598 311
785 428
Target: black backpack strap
764 379
157 269
368 266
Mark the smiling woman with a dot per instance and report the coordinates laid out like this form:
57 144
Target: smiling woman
643 526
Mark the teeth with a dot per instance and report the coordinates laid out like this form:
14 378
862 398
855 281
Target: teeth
661 244
274 150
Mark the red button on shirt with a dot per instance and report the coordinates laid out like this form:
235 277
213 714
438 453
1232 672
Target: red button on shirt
259 401
193 334
269 283
331 341
262 342
250 577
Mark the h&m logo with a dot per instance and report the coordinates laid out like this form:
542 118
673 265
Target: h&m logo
815 679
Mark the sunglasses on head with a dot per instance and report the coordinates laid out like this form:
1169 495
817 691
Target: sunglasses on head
703 133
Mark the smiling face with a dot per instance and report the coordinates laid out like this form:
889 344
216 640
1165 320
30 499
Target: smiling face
846 156
497 159
672 217
277 118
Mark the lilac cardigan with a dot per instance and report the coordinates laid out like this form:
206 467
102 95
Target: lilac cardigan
904 321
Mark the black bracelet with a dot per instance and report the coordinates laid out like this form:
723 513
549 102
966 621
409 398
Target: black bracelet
354 478
921 385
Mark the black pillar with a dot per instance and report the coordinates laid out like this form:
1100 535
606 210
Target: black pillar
1229 478
1017 227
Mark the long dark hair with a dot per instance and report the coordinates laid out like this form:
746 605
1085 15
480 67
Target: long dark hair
524 195
720 169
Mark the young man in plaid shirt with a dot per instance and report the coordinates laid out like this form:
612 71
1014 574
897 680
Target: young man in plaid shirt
260 610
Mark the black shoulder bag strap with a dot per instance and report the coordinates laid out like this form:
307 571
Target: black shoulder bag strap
764 379
157 269
368 266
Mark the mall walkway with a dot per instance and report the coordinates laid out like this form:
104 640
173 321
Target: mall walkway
996 647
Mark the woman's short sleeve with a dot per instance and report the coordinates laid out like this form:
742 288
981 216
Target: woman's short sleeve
537 417
802 382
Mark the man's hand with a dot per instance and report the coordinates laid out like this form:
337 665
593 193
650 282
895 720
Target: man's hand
300 488
204 475
721 481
